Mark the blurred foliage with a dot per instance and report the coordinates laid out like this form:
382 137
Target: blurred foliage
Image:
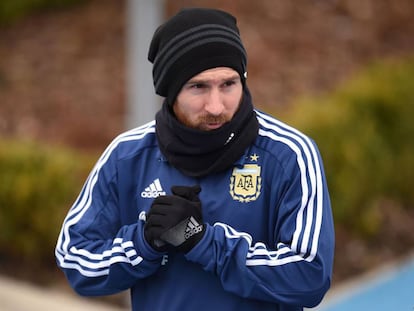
12 10
37 186
365 133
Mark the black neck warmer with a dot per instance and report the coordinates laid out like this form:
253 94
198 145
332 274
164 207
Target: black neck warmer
198 153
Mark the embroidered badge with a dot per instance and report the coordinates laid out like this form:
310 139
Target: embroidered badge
246 183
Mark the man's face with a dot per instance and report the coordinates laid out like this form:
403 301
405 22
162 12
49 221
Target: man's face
210 99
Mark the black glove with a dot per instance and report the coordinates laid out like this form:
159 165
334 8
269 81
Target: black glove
175 219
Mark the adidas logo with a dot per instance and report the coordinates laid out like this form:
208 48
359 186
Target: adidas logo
153 190
193 227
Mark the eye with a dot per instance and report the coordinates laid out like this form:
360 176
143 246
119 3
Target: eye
197 86
229 83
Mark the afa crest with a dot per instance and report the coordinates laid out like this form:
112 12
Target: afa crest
246 183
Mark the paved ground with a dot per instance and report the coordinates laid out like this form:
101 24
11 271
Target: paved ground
388 288
19 296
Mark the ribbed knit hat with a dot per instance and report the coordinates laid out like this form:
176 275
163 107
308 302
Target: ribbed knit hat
190 42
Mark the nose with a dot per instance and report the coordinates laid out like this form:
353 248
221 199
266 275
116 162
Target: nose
215 103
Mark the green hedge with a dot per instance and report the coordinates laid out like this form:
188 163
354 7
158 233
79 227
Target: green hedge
365 133
37 186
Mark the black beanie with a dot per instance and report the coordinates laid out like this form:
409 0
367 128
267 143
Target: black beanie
190 42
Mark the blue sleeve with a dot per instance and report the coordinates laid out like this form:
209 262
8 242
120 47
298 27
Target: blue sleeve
98 255
297 269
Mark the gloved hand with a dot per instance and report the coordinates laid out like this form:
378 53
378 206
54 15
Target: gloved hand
175 219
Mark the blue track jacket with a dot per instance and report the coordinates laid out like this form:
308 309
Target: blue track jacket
268 245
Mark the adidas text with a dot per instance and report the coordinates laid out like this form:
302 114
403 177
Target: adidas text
151 194
192 232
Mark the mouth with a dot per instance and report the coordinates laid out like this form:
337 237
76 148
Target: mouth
213 125
213 122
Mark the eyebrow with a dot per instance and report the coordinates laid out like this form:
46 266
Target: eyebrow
203 81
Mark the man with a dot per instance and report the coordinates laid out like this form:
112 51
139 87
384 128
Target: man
214 205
